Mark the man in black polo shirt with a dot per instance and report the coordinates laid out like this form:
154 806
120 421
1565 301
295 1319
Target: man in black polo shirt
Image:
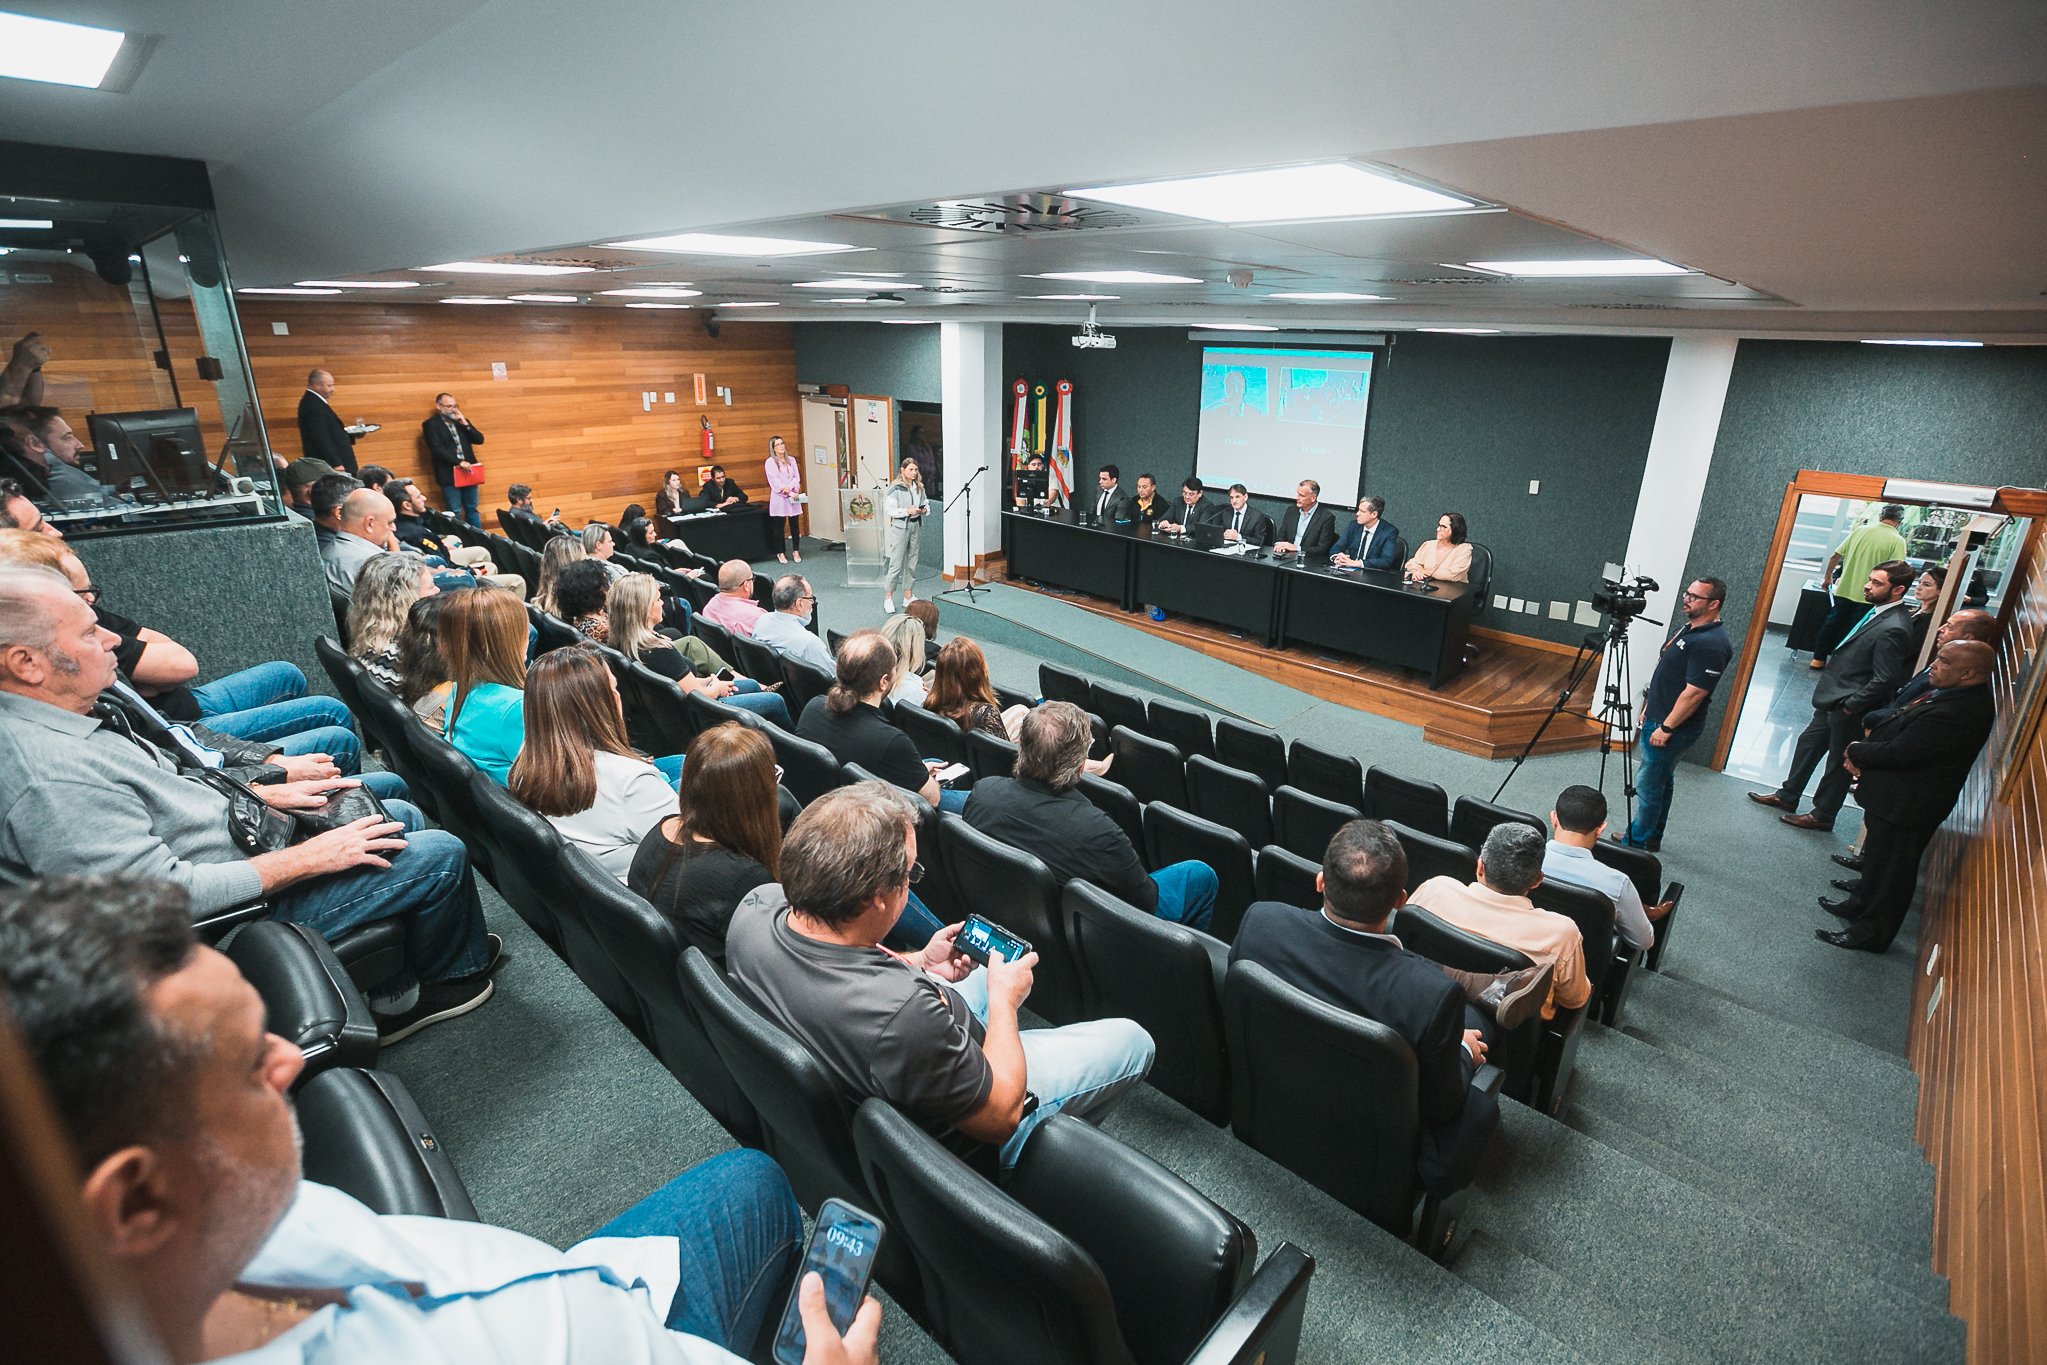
1674 708
848 721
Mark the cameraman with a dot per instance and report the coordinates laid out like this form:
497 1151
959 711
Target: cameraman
1674 707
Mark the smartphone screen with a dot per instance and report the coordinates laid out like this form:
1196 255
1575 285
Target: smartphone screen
977 938
842 1248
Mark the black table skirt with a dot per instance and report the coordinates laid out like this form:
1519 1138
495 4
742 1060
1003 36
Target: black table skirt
746 533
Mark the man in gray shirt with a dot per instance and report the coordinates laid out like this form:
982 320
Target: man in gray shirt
932 1034
365 533
82 793
787 626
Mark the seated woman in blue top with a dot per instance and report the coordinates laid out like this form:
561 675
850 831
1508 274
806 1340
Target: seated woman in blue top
483 640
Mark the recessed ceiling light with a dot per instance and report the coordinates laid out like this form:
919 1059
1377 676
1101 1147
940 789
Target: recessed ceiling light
851 282
26 223
506 268
763 303
908 322
868 274
1072 298
1286 194
1633 265
505 301
546 298
1235 327
858 300
1115 277
1327 297
657 305
1463 331
58 53
720 244
656 292
360 284
1923 341
287 291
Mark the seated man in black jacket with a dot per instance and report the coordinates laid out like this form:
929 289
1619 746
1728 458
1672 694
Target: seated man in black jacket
1042 811
1343 956
407 503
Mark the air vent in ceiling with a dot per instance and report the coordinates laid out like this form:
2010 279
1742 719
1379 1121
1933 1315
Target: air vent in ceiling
1450 279
1012 214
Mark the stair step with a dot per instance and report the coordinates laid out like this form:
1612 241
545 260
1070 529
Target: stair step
1863 1089
1606 1333
1373 1296
1711 1281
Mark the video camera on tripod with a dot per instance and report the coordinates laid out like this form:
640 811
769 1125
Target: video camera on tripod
1624 598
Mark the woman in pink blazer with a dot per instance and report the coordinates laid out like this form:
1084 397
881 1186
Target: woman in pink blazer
785 483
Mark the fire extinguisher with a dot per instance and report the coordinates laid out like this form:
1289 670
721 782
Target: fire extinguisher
710 443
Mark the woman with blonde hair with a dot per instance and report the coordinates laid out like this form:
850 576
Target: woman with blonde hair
722 837
561 551
630 612
577 768
385 590
483 641
905 635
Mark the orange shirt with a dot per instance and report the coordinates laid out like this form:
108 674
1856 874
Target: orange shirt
1543 935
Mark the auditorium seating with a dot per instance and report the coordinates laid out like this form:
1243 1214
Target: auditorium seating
1230 796
554 632
1151 769
1016 891
1063 684
1414 803
762 663
933 735
1471 820
716 636
1252 749
1117 802
1325 773
1428 856
1287 877
1519 1054
1183 727
1172 836
1117 707
308 998
808 769
1305 824
707 711
805 680
989 756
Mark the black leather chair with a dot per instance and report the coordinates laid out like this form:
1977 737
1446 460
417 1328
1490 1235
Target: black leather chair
716 636
989 756
760 662
308 998
1472 819
808 769
1645 870
1413 802
1355 1141
1230 796
1006 697
1326 773
1168 978
341 670
394 727
1674 893
1186 729
339 601
934 735
939 891
1428 856
1171 835
1252 748
1288 878
833 639
453 778
1090 1254
1593 913
804 680
706 712
1440 941
1117 707
1305 824
1016 891
659 706
1063 684
1117 802
1153 770
553 631
366 1137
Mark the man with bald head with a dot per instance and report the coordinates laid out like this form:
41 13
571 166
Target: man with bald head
1972 624
734 607
364 533
321 432
1909 772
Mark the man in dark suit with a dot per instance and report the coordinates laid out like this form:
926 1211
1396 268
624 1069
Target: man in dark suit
1193 511
1308 527
1371 541
321 433
1970 624
451 440
1342 955
1909 774
1243 522
1110 505
1863 672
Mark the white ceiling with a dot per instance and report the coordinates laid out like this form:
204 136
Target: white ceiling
1834 167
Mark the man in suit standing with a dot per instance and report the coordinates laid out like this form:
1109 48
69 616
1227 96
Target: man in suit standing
1864 671
321 433
1370 542
1192 511
1243 522
1909 774
1308 528
1111 505
1344 956
451 440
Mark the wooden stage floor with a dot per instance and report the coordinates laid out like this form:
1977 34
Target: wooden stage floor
1490 709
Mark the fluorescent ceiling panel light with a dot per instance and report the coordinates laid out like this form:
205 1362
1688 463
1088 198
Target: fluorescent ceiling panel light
859 300
769 303
721 244
546 298
657 305
1115 277
851 282
1463 331
1286 194
1923 341
504 301
1073 298
1236 327
56 53
1327 297
26 223
287 291
505 268
907 322
360 284
658 292
1559 270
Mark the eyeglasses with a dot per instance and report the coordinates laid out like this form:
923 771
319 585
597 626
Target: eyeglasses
88 592
916 873
1690 596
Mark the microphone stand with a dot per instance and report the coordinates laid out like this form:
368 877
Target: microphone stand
970 587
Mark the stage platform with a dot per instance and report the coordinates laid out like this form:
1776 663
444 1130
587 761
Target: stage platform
1489 710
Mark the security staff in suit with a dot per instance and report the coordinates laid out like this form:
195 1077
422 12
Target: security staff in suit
1308 527
321 432
1971 624
1243 522
1909 773
1370 542
1863 672
1110 505
1193 510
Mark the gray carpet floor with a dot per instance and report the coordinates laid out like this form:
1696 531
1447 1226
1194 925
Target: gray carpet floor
1731 1178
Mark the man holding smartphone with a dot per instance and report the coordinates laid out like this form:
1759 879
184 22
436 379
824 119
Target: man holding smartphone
930 1032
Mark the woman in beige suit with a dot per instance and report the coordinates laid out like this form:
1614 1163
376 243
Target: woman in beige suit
1447 557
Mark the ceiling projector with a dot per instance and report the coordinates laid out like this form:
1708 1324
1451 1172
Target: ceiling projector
1093 337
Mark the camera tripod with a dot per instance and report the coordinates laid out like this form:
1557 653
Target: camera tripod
1616 714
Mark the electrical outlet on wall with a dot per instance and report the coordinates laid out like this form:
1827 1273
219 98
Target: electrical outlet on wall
1532 607
1560 611
1534 487
280 329
1585 615
1515 604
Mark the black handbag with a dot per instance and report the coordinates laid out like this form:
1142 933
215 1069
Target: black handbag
257 827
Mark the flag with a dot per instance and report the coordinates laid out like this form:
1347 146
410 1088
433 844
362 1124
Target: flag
1062 442
1019 425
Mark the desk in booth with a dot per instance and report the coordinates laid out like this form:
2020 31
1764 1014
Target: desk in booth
746 532
1369 613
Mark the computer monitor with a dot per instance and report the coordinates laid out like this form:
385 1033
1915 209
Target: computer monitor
155 456
1032 483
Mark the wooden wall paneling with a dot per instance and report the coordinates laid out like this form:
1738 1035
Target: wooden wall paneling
102 341
567 418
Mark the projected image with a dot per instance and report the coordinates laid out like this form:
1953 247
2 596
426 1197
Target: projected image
1329 398
1233 391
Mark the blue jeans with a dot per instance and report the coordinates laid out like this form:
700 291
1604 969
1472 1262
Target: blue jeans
740 1234
337 742
913 928
671 768
769 706
428 884
1079 1069
461 503
389 787
1186 893
948 799
1653 771
267 703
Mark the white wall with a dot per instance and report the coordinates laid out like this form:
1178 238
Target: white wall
970 368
